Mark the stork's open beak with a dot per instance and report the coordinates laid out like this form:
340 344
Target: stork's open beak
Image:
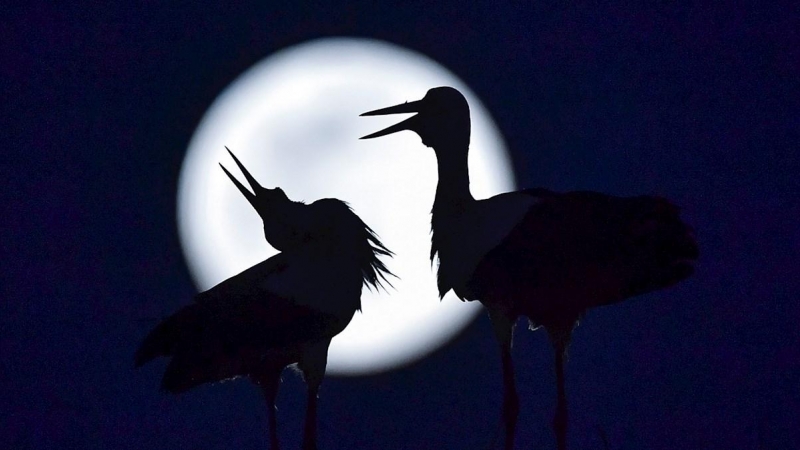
251 197
404 108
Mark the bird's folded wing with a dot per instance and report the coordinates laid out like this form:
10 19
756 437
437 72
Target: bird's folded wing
557 228
246 304
240 286
236 317
571 228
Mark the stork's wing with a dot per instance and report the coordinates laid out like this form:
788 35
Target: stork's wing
243 285
589 228
260 315
569 228
236 315
579 244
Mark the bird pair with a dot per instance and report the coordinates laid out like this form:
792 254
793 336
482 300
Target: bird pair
536 253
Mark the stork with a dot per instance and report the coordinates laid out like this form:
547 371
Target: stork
282 311
545 255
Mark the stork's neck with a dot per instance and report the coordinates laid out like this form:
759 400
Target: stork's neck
453 188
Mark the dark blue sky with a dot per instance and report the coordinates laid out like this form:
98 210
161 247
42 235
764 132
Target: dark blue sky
697 103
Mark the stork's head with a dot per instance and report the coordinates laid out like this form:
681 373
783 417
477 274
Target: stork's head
326 227
442 119
268 203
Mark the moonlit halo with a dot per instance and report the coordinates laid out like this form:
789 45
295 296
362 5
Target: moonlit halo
292 119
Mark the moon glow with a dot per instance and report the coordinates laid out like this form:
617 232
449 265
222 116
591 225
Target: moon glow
293 120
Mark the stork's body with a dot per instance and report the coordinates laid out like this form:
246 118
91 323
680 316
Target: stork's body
282 311
536 253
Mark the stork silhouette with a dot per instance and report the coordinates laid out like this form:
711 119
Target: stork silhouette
545 255
282 311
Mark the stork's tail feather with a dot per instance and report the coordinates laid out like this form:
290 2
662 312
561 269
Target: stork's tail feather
166 336
663 246
189 369
201 351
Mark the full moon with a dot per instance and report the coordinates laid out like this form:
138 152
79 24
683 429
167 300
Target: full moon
293 120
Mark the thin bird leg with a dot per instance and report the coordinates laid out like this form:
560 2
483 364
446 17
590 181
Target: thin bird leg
270 391
504 331
560 337
510 398
310 434
560 419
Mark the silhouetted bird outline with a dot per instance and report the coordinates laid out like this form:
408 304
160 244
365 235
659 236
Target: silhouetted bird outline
537 253
282 311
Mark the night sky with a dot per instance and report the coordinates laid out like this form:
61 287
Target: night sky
699 104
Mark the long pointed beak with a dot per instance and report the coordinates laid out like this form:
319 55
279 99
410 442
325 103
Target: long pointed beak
407 107
403 108
250 180
251 197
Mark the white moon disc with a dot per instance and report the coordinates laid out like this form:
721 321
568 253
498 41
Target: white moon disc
293 120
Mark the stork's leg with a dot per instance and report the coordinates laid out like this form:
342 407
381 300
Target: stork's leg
268 381
310 431
504 330
270 390
510 397
560 336
313 363
560 419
